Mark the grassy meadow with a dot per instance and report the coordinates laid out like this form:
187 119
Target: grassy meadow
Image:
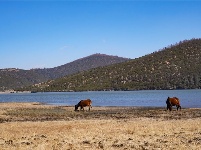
37 126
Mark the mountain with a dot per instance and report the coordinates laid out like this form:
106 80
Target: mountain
17 78
82 64
175 67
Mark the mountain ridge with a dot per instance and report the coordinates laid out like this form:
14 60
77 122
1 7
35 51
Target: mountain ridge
175 67
11 78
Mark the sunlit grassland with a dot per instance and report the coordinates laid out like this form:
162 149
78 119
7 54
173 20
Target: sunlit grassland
50 127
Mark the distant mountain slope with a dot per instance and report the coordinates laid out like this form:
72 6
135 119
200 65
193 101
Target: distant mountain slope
174 67
83 64
15 78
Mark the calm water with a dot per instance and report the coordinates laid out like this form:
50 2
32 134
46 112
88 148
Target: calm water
188 98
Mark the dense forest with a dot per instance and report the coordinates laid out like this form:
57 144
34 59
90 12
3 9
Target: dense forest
17 78
177 66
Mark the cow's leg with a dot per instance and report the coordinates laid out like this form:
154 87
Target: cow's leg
170 108
89 107
179 107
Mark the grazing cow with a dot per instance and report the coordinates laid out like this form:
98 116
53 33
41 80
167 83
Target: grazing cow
83 103
174 101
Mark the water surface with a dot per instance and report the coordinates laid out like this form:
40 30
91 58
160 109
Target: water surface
155 98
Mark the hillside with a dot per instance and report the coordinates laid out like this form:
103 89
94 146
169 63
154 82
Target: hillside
16 78
83 64
175 67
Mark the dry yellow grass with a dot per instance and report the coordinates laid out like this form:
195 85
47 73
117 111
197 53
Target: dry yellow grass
95 133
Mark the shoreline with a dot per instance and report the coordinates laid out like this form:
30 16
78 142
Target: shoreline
98 106
12 92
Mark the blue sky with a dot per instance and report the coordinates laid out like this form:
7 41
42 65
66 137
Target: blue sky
38 34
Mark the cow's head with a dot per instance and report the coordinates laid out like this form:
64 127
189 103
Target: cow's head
169 105
76 107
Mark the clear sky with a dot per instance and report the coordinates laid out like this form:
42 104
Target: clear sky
48 33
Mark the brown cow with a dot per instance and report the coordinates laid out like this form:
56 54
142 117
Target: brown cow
174 101
83 103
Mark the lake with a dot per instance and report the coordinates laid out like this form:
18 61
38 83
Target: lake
153 98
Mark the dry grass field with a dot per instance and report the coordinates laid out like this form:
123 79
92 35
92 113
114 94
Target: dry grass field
35 126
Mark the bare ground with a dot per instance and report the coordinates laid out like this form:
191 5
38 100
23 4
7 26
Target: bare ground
38 126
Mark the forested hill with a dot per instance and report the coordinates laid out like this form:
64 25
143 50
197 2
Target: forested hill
83 64
16 78
175 67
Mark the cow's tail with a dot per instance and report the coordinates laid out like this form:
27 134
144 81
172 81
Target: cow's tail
91 104
179 106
